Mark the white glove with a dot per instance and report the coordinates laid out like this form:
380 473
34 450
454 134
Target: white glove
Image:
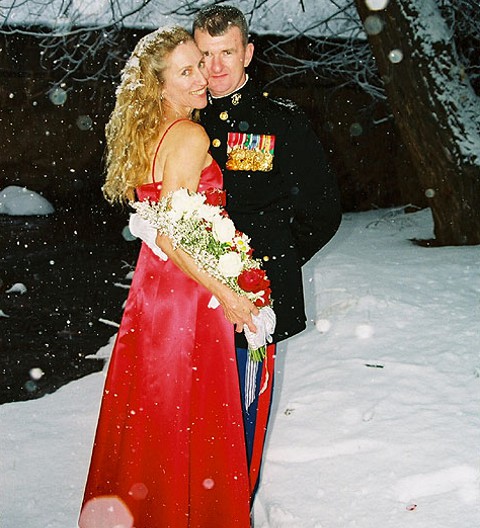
213 303
145 232
265 322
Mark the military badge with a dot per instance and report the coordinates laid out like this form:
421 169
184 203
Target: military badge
236 98
250 152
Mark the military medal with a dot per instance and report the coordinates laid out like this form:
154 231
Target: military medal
250 152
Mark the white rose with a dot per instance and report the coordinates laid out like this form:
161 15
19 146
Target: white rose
230 264
208 212
223 229
184 203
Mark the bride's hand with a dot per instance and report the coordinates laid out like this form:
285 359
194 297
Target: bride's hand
238 309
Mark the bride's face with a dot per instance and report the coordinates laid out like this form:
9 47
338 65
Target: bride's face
185 83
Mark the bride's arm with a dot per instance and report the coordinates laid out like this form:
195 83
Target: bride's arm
185 159
238 309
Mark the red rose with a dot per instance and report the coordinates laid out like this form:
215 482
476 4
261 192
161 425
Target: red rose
253 280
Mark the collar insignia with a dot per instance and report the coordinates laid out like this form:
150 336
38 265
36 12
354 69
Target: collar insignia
236 98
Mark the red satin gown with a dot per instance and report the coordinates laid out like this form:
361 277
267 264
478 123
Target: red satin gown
170 443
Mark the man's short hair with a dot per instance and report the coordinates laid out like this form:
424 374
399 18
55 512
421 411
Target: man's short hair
218 19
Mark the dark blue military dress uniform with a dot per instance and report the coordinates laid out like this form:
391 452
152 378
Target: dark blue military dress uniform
280 190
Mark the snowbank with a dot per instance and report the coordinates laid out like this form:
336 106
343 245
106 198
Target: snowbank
20 201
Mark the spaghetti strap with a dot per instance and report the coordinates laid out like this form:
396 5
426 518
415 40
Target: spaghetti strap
160 142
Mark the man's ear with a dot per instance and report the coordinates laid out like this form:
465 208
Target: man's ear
248 54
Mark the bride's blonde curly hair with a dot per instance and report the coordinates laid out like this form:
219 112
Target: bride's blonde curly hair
133 127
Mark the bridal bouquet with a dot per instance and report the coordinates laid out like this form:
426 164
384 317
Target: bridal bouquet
208 235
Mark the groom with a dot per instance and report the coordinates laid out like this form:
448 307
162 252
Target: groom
280 192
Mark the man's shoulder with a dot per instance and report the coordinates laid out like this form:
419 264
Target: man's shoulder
283 104
281 107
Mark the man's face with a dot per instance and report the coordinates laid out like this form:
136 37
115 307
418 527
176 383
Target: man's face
225 60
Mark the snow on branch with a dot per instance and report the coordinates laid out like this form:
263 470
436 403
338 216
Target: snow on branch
432 31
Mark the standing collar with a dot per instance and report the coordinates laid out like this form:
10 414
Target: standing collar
232 97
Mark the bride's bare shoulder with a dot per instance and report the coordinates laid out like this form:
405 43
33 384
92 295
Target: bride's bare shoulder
191 128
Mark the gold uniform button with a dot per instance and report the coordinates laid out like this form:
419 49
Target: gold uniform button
216 142
266 258
224 116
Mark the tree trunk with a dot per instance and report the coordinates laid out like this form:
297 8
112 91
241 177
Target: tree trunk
436 111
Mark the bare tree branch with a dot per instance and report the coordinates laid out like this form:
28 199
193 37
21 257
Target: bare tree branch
335 46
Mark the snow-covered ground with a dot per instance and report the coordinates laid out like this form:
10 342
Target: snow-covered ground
376 418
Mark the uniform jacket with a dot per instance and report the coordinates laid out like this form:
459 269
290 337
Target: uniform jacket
280 190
